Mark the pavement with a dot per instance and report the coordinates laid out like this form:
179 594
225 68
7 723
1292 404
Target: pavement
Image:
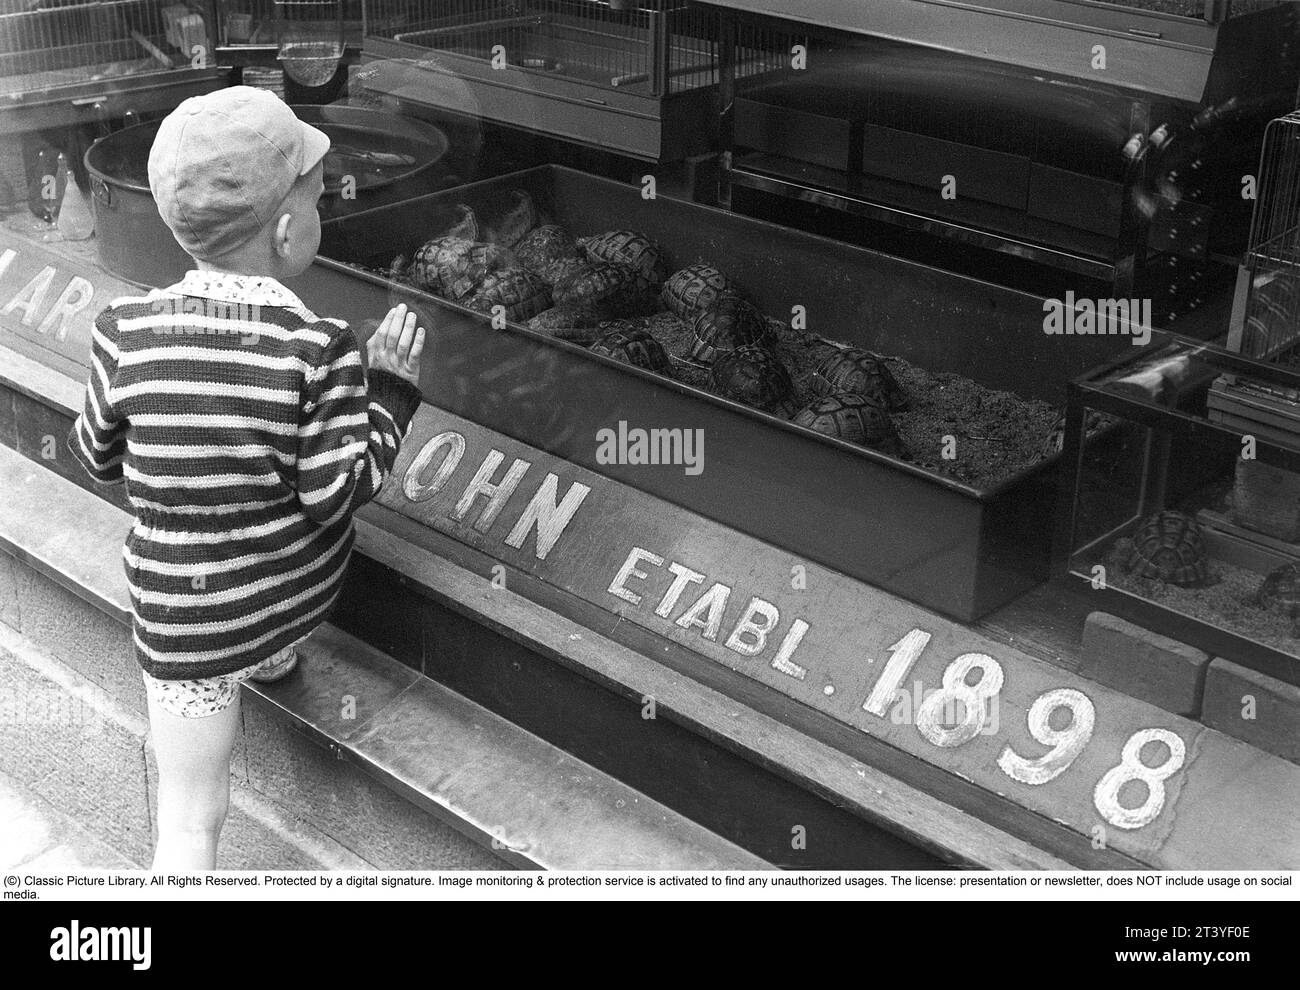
36 835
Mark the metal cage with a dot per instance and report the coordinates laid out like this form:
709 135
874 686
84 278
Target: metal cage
652 47
64 62
1266 310
59 44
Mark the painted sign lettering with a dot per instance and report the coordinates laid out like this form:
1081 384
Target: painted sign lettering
542 512
27 301
1105 765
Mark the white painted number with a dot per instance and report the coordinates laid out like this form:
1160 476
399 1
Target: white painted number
1066 744
1131 767
902 656
973 698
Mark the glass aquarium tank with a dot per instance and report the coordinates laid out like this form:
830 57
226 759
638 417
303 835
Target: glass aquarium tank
1183 485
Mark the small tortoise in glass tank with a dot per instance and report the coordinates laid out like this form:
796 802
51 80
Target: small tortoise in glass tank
602 290
633 346
565 325
1168 547
452 267
755 376
852 417
543 248
1280 591
695 288
509 228
727 324
522 294
856 370
627 247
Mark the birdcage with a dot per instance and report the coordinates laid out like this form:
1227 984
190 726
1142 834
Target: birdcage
627 75
65 62
1266 308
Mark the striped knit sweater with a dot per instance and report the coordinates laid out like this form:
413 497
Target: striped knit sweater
246 434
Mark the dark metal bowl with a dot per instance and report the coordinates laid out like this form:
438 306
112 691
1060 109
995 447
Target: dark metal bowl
134 244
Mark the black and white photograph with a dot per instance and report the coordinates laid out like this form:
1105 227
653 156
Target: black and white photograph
651 450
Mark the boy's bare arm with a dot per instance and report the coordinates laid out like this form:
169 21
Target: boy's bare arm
98 437
350 434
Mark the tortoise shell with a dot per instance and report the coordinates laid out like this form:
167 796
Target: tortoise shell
557 271
453 267
466 227
854 417
729 323
856 370
1168 547
522 293
753 375
542 247
1281 590
694 288
566 324
602 289
634 346
510 227
627 247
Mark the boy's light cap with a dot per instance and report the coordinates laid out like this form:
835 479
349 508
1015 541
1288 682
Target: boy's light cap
222 163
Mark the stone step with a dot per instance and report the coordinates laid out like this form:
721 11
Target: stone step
78 773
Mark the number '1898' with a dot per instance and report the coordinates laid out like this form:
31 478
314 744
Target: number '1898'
1065 744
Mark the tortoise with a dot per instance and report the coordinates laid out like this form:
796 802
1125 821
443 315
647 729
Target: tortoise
729 323
542 247
565 324
854 417
453 267
856 370
632 345
522 293
1168 547
754 375
466 226
694 288
556 271
510 227
627 247
1281 590
602 289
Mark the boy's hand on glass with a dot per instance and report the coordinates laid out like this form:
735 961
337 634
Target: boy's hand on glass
397 345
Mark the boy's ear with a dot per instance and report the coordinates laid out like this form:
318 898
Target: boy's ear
282 234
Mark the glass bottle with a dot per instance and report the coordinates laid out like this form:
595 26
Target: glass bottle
45 190
76 219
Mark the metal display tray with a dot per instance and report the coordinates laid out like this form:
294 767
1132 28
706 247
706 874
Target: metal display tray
948 546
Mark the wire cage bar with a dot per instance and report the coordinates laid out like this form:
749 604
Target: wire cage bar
1266 313
57 44
655 47
261 23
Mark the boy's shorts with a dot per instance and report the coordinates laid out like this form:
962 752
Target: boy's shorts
206 696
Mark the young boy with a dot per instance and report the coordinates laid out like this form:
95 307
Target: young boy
254 434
